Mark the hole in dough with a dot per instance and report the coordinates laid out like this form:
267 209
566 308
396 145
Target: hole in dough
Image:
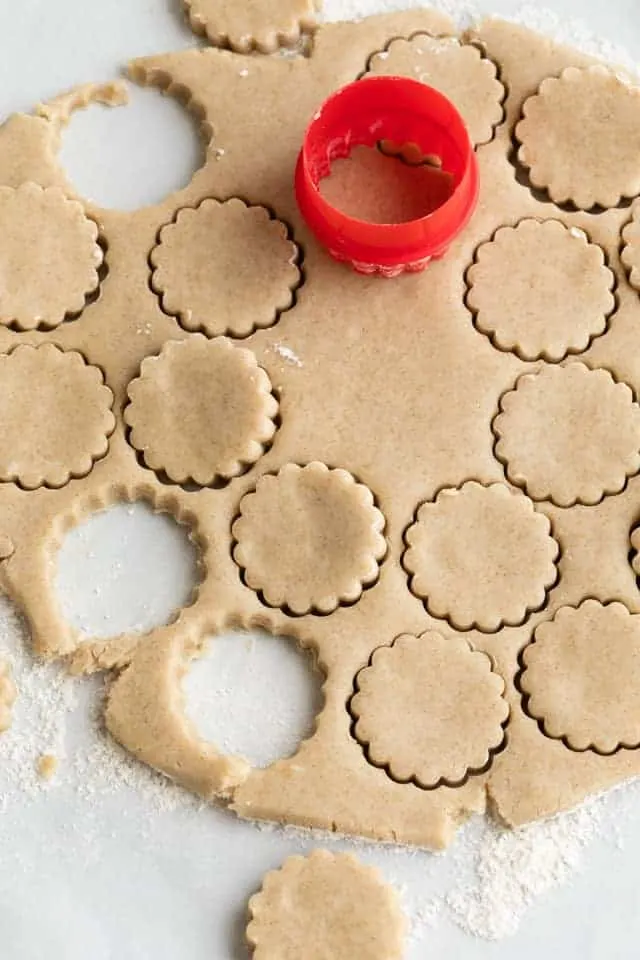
254 695
135 155
125 570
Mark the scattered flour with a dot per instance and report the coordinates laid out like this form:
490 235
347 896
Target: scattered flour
287 354
46 696
515 868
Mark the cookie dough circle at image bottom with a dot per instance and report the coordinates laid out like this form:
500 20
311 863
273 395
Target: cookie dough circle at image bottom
580 137
429 710
480 557
581 677
202 411
309 538
325 905
540 290
49 257
65 425
225 268
458 70
568 434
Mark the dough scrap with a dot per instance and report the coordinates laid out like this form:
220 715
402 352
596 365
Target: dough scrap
309 538
252 24
429 710
537 320
325 905
458 70
49 257
225 268
201 411
542 440
631 248
8 695
481 557
580 137
56 416
581 677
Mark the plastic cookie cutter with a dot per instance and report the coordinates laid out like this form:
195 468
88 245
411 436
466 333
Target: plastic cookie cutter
401 111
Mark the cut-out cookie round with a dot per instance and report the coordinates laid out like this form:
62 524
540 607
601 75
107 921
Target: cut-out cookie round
202 411
540 290
7 695
325 905
253 24
309 538
429 710
481 557
56 416
225 268
580 138
631 249
581 677
569 434
458 70
49 257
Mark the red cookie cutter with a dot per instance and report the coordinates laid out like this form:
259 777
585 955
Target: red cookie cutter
402 111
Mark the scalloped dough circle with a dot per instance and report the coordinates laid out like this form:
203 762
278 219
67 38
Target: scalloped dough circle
309 538
7 695
253 24
225 268
580 137
458 70
430 710
582 676
49 257
325 905
560 290
481 557
201 411
56 416
631 248
569 434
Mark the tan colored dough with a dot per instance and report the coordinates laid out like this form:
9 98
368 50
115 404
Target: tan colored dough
543 439
47 766
480 557
631 248
7 695
581 676
459 70
580 137
56 416
537 320
635 546
429 710
49 257
309 538
388 379
225 268
252 24
325 905
201 411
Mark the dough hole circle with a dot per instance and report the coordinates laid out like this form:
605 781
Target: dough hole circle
125 569
229 704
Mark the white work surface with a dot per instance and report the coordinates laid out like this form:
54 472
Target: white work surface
109 861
